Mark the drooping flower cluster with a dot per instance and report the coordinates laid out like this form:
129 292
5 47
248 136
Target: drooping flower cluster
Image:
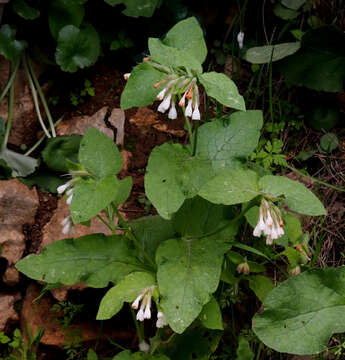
145 297
270 222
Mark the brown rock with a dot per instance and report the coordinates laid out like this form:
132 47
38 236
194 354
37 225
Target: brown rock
144 117
7 312
61 293
38 313
79 124
126 160
11 276
25 120
18 204
117 119
12 242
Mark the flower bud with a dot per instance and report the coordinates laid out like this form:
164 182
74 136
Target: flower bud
243 268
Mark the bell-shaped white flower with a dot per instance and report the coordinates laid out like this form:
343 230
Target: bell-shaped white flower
135 303
161 320
165 104
240 38
172 112
66 224
140 313
161 94
126 76
145 307
62 188
188 112
196 113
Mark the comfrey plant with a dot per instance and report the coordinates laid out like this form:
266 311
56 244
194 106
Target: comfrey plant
174 268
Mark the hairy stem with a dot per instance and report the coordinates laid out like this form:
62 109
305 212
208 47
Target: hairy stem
9 118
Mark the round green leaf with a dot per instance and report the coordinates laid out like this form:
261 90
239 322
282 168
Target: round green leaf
77 48
10 48
329 142
25 11
323 117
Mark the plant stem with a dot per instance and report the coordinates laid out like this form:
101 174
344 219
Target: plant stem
10 81
9 118
42 97
106 224
137 327
34 96
196 127
270 88
189 128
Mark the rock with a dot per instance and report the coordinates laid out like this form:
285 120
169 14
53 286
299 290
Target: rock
7 312
117 119
12 242
126 160
144 117
79 124
18 204
38 313
11 276
61 293
25 120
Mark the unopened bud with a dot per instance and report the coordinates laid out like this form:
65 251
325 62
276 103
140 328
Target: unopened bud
243 268
295 271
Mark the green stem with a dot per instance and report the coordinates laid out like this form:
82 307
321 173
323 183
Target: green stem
196 127
270 88
315 179
42 97
106 224
9 118
34 96
10 82
189 129
137 327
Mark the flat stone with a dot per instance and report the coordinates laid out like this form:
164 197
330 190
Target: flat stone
11 276
18 204
12 242
117 119
7 312
80 124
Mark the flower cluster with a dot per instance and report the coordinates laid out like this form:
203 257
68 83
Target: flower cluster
270 222
144 312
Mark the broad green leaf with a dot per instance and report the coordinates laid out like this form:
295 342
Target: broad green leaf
320 63
99 154
171 56
139 90
293 4
211 315
125 188
91 355
94 259
188 273
264 55
194 44
21 165
58 149
293 228
63 13
329 142
261 286
126 290
10 48
24 10
297 197
285 13
173 175
194 343
223 89
135 8
151 231
228 143
45 180
243 351
231 187
91 196
77 48
303 312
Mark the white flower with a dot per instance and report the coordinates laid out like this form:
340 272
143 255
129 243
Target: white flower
144 346
196 113
161 94
140 313
147 313
165 104
135 303
240 38
189 109
126 76
66 224
69 194
161 320
62 188
172 112
145 307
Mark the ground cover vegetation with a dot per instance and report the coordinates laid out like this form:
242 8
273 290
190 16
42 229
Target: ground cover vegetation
221 195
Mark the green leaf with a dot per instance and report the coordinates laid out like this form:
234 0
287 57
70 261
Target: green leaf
126 290
261 286
59 149
293 4
193 44
173 175
231 187
172 57
21 165
24 10
194 343
303 312
320 63
77 48
63 13
46 181
94 259
228 143
285 13
323 117
293 228
91 355
243 351
10 48
223 89
135 8
151 231
99 154
264 55
90 197
211 315
139 90
329 142
297 197
188 273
